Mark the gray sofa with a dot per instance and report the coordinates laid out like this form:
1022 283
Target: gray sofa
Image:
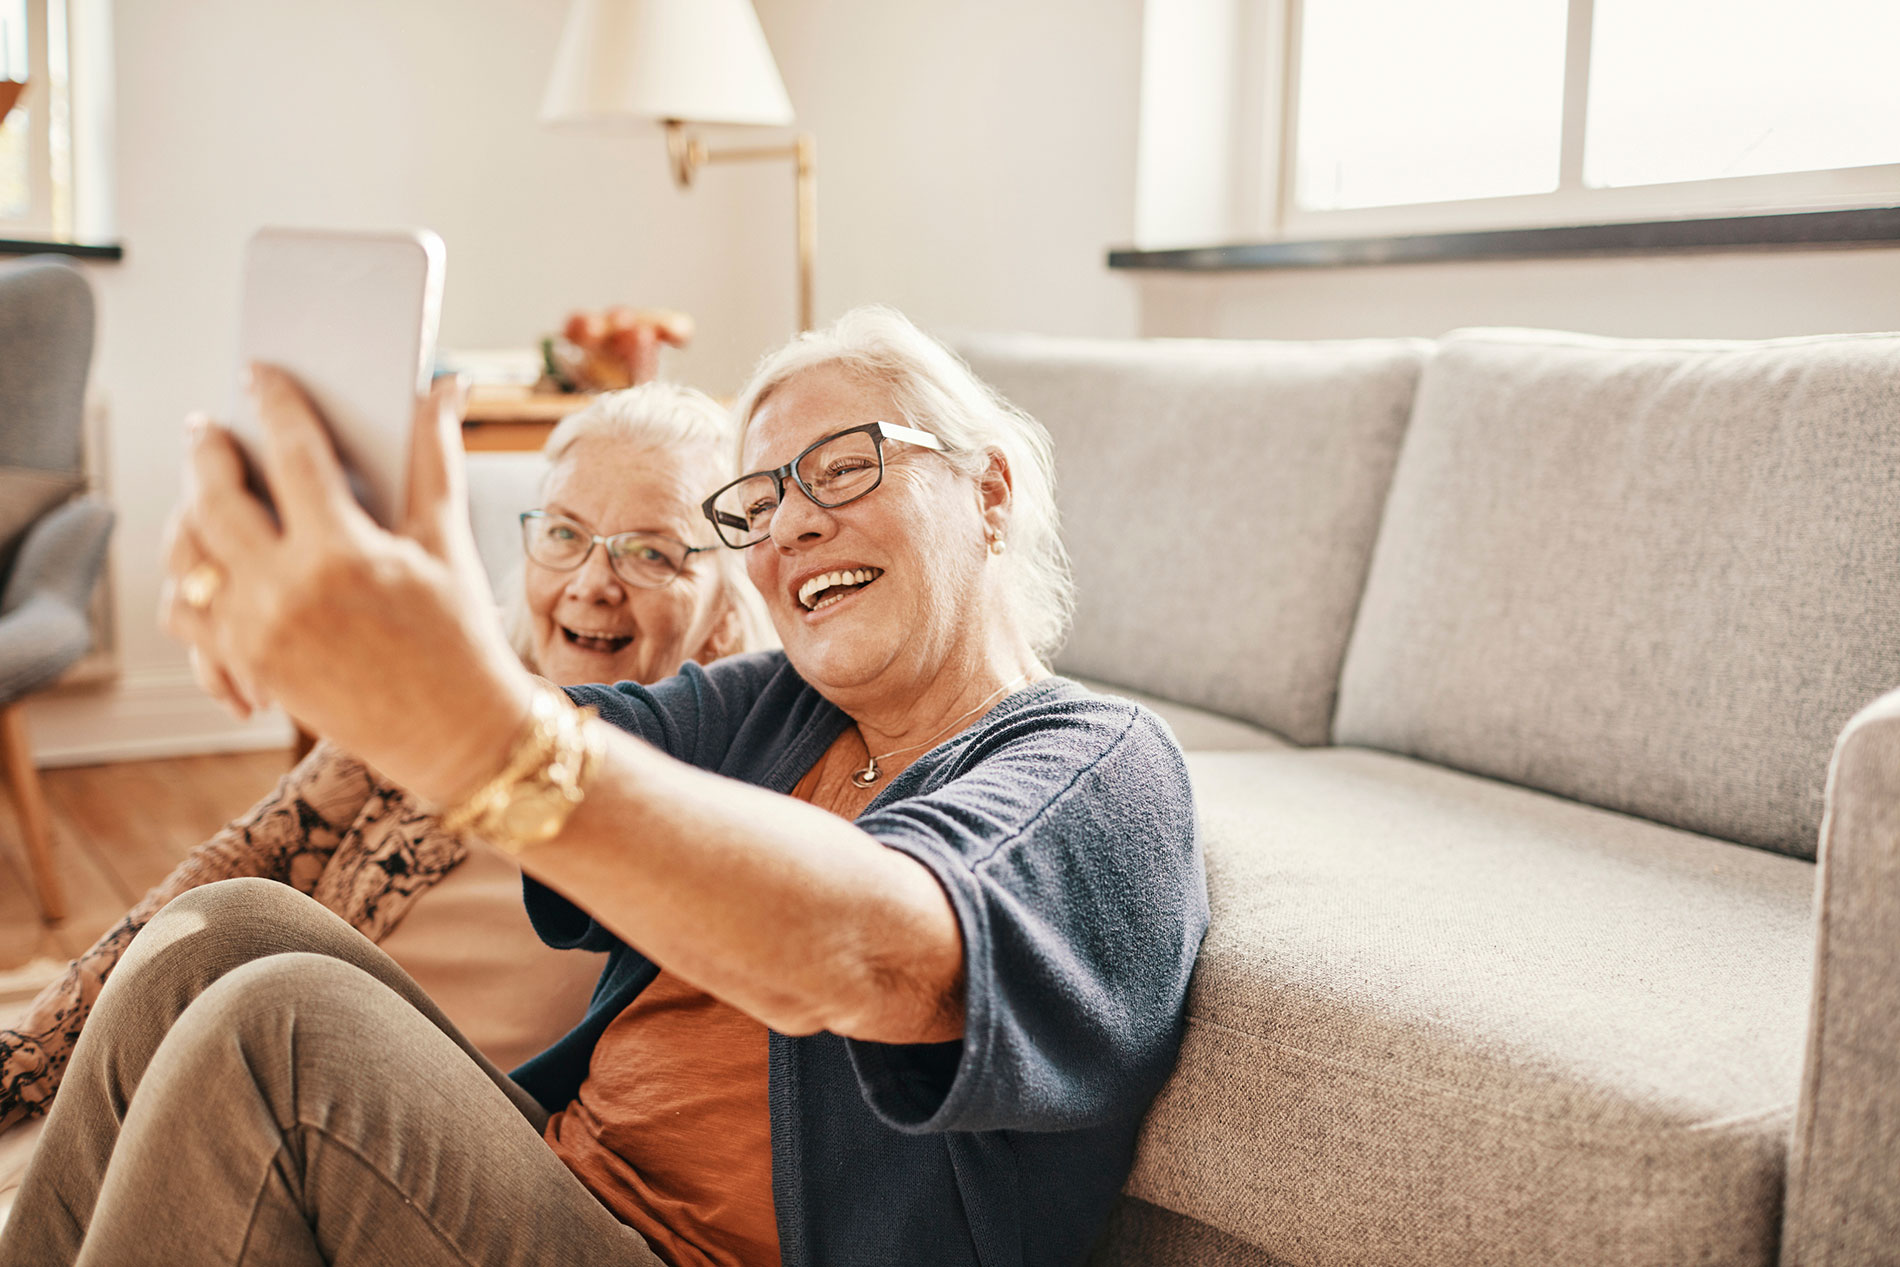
1510 665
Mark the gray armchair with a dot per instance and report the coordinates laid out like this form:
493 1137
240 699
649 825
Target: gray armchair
52 545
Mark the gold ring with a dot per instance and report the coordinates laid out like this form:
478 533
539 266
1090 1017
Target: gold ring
200 585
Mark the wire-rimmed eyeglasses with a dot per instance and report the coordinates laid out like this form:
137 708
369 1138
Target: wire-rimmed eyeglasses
833 471
643 559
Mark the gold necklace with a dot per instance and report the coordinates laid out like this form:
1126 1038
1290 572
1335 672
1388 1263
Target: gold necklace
869 775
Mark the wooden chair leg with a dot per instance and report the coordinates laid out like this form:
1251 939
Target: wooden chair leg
23 778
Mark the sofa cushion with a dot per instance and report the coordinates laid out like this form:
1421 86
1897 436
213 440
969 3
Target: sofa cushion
1441 1020
1657 577
1196 729
1219 500
25 495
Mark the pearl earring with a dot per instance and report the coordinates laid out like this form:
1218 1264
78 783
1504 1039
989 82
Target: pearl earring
997 544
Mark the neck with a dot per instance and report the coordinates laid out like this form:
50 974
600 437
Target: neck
955 698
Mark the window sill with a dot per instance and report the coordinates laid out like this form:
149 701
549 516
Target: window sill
78 250
1861 227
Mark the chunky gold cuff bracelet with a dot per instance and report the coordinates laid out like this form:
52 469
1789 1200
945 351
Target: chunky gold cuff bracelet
544 779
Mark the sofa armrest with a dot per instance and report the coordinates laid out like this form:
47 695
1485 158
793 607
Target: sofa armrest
1843 1205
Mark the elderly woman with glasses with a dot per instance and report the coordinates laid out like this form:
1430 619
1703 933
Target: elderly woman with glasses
635 610
899 925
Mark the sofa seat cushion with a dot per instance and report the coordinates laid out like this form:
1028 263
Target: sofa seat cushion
1439 1019
1197 729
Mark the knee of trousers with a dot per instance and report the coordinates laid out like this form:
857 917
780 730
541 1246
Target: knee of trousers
229 921
203 934
315 1036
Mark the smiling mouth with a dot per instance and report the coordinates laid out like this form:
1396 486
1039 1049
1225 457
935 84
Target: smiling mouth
600 643
821 592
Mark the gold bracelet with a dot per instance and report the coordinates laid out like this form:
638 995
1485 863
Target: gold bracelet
544 779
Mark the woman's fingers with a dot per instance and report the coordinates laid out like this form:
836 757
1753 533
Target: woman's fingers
438 491
300 464
218 684
229 523
192 622
437 515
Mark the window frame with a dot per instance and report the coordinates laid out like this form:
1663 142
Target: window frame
1572 203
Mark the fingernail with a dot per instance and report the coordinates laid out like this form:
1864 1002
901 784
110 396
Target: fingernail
196 424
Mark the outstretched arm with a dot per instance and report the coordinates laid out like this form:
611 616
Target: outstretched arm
287 836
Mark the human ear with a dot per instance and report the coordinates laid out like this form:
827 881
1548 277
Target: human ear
995 492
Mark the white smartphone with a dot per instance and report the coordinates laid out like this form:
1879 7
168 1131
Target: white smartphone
352 317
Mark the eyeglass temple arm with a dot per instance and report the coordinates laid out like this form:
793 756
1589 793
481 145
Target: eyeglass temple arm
909 435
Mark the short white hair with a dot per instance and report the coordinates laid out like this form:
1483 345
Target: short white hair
674 420
935 391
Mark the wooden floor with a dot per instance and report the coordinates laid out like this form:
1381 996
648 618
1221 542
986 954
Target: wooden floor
117 829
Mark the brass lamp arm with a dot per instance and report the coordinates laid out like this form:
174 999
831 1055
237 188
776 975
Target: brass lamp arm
687 154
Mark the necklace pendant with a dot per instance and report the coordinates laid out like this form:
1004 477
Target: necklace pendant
867 777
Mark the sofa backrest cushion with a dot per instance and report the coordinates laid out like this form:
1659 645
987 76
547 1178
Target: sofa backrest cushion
1655 577
1219 501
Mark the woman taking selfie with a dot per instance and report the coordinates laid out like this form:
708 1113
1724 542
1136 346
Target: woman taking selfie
635 606
899 925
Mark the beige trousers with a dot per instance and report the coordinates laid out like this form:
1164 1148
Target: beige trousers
260 1084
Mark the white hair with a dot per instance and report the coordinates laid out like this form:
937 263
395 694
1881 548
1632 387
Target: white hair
935 391
675 420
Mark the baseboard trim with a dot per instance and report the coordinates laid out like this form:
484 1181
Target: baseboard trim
141 716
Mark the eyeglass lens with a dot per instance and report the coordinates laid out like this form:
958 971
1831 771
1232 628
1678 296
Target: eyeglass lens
841 469
636 557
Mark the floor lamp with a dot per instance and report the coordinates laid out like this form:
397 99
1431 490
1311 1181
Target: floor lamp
679 63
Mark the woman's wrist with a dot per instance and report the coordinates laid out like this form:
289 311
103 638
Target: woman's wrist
544 779
475 745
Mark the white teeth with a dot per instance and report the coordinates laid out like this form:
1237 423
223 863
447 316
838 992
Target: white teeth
583 633
855 576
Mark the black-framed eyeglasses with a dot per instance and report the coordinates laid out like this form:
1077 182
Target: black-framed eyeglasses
838 469
643 559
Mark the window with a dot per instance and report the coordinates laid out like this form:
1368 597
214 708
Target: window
1344 118
35 145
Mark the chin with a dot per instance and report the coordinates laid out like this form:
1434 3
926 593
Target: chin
831 660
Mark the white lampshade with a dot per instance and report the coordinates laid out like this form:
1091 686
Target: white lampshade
700 61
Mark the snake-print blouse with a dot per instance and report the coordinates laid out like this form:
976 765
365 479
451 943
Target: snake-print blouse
332 829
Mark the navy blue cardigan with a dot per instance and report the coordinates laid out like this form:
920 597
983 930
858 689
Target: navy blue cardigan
1062 828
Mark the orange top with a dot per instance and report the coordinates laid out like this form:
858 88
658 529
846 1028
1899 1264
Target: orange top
671 1129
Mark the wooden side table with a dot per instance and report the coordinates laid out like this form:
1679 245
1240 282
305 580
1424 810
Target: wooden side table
514 419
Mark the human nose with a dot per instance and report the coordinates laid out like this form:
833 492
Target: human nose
595 578
799 518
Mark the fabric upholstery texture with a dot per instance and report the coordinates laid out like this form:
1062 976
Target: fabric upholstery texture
1143 1235
50 554
1844 1165
43 621
1196 729
46 334
25 495
1232 489
1655 577
1438 1019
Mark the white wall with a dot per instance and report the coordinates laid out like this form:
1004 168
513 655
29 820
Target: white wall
1739 295
974 160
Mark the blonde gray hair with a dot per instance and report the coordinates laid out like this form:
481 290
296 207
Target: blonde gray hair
935 391
679 421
